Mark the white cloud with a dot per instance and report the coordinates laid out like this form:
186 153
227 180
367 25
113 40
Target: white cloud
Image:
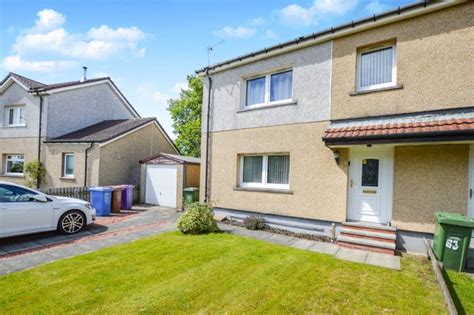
16 63
296 15
48 36
49 19
375 7
180 86
257 21
235 32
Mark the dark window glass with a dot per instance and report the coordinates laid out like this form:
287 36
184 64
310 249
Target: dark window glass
370 172
15 194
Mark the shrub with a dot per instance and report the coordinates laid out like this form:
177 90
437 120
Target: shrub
198 218
34 172
254 223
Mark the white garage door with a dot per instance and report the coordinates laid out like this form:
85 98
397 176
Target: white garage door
161 185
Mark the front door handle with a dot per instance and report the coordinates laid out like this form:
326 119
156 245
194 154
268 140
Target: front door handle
352 182
470 193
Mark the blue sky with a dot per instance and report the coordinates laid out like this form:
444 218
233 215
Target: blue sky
148 47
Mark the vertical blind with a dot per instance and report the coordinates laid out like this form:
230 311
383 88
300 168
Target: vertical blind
252 169
278 169
280 86
255 91
376 67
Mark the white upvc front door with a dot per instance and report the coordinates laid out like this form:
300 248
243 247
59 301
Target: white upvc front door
370 184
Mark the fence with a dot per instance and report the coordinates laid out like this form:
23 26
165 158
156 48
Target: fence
82 192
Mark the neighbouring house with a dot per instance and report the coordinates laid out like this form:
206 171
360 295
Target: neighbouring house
368 126
165 176
86 133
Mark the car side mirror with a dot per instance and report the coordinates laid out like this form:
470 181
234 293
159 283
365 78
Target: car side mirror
40 198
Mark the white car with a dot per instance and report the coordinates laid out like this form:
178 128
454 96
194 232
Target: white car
24 211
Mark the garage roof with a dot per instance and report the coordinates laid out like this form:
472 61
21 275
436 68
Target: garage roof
166 158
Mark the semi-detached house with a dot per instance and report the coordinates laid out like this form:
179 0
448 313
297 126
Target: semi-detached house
84 132
367 124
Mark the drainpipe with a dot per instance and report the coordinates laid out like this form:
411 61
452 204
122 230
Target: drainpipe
206 182
85 163
39 133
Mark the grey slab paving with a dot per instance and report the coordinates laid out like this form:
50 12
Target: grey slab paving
3 269
52 240
20 246
382 260
303 244
353 255
324 248
28 261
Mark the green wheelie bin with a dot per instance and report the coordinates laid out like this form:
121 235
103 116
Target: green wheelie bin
191 194
451 239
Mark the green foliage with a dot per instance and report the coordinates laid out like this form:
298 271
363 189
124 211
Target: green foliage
186 114
254 223
34 172
198 218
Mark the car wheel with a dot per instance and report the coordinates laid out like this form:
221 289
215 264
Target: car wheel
72 222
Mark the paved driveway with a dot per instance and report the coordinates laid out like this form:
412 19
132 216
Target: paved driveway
18 253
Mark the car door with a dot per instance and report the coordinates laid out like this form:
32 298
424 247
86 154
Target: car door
20 213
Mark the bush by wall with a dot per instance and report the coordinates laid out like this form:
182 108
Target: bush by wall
254 223
198 219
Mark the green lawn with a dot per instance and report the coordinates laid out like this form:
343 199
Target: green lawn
217 273
461 287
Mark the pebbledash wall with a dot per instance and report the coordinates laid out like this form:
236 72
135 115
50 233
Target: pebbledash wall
426 177
74 109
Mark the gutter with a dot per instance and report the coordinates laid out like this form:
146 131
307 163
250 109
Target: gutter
206 183
85 163
401 13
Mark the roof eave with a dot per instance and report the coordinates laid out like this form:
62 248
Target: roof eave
376 20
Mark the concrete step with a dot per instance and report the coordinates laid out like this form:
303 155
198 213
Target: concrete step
366 244
370 227
368 234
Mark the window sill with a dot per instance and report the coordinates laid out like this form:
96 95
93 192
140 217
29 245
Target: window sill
265 190
14 126
388 88
268 105
13 175
67 178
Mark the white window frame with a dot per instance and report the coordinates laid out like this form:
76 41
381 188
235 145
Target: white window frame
268 81
14 160
64 165
264 183
394 68
17 123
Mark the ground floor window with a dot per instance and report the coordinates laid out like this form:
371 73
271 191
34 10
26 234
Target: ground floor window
68 165
265 171
14 164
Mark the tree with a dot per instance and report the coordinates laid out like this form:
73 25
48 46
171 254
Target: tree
186 114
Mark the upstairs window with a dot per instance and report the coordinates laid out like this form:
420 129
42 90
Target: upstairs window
265 171
376 68
269 89
14 164
15 116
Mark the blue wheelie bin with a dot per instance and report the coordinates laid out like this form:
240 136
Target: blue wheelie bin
101 198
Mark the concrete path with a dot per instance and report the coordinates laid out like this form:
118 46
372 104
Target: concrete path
27 252
353 255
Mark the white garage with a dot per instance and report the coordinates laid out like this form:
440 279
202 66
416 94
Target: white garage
164 176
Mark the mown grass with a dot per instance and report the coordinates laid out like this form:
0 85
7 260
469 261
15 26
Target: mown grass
217 273
461 287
